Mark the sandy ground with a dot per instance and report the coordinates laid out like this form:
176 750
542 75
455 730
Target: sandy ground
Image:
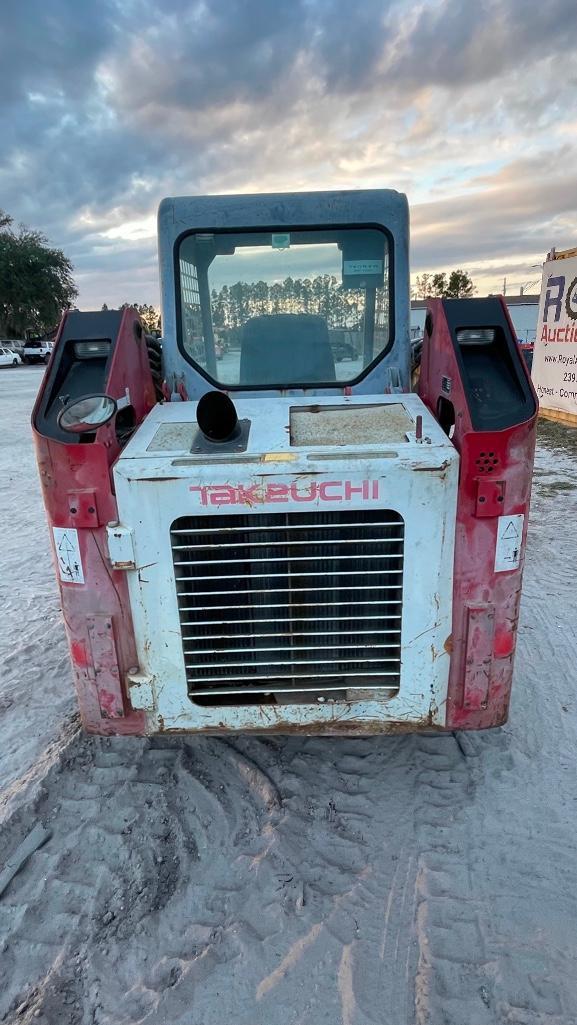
290 881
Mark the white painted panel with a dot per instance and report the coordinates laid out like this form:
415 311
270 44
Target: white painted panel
419 481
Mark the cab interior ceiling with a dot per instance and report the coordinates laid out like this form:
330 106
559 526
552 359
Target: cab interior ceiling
205 246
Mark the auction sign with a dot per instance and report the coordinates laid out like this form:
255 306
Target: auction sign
554 369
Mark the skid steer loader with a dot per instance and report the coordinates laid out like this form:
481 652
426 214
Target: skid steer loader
257 525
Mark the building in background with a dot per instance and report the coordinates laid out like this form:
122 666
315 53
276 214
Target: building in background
523 310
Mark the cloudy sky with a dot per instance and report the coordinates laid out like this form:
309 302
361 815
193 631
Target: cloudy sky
468 106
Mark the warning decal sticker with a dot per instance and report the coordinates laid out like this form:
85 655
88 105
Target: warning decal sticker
363 267
68 555
508 549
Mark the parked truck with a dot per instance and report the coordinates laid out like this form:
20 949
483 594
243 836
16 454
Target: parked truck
36 350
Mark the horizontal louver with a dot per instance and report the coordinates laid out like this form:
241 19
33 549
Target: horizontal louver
283 603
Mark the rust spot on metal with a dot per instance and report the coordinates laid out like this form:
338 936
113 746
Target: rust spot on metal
435 653
153 480
334 727
431 469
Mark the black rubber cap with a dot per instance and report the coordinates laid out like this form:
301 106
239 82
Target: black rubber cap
216 416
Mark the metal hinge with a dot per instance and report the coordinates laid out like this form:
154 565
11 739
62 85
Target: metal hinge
490 497
140 688
121 546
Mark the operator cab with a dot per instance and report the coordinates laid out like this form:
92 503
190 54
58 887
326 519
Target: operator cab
305 292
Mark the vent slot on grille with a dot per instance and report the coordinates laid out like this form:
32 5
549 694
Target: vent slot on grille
285 607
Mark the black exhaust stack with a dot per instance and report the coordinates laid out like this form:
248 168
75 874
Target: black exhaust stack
217 418
218 424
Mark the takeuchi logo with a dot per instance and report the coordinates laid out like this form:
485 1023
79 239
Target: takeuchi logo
298 491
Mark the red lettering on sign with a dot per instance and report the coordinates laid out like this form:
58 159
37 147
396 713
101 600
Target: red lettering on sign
326 496
203 491
302 495
297 491
277 493
248 495
222 494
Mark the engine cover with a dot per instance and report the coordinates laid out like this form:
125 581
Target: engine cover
296 577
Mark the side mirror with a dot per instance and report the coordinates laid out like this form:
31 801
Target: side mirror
86 414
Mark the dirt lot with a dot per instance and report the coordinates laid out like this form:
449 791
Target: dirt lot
291 881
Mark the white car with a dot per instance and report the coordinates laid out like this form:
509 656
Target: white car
14 344
9 358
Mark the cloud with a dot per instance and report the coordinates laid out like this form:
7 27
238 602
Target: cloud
457 44
108 107
503 225
204 57
51 49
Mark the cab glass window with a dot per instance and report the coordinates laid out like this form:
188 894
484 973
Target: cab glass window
284 308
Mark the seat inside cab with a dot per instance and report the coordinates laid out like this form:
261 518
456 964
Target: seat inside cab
283 348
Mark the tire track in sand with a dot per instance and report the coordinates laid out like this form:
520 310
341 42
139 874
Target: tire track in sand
137 875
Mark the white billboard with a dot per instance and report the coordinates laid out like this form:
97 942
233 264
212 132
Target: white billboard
554 370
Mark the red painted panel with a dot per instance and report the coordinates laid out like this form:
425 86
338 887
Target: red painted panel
104 663
503 458
478 655
83 509
77 478
490 497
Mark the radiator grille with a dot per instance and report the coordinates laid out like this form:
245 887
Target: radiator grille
290 604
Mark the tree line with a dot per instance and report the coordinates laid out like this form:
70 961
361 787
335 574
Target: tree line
149 315
456 285
37 286
233 305
323 295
